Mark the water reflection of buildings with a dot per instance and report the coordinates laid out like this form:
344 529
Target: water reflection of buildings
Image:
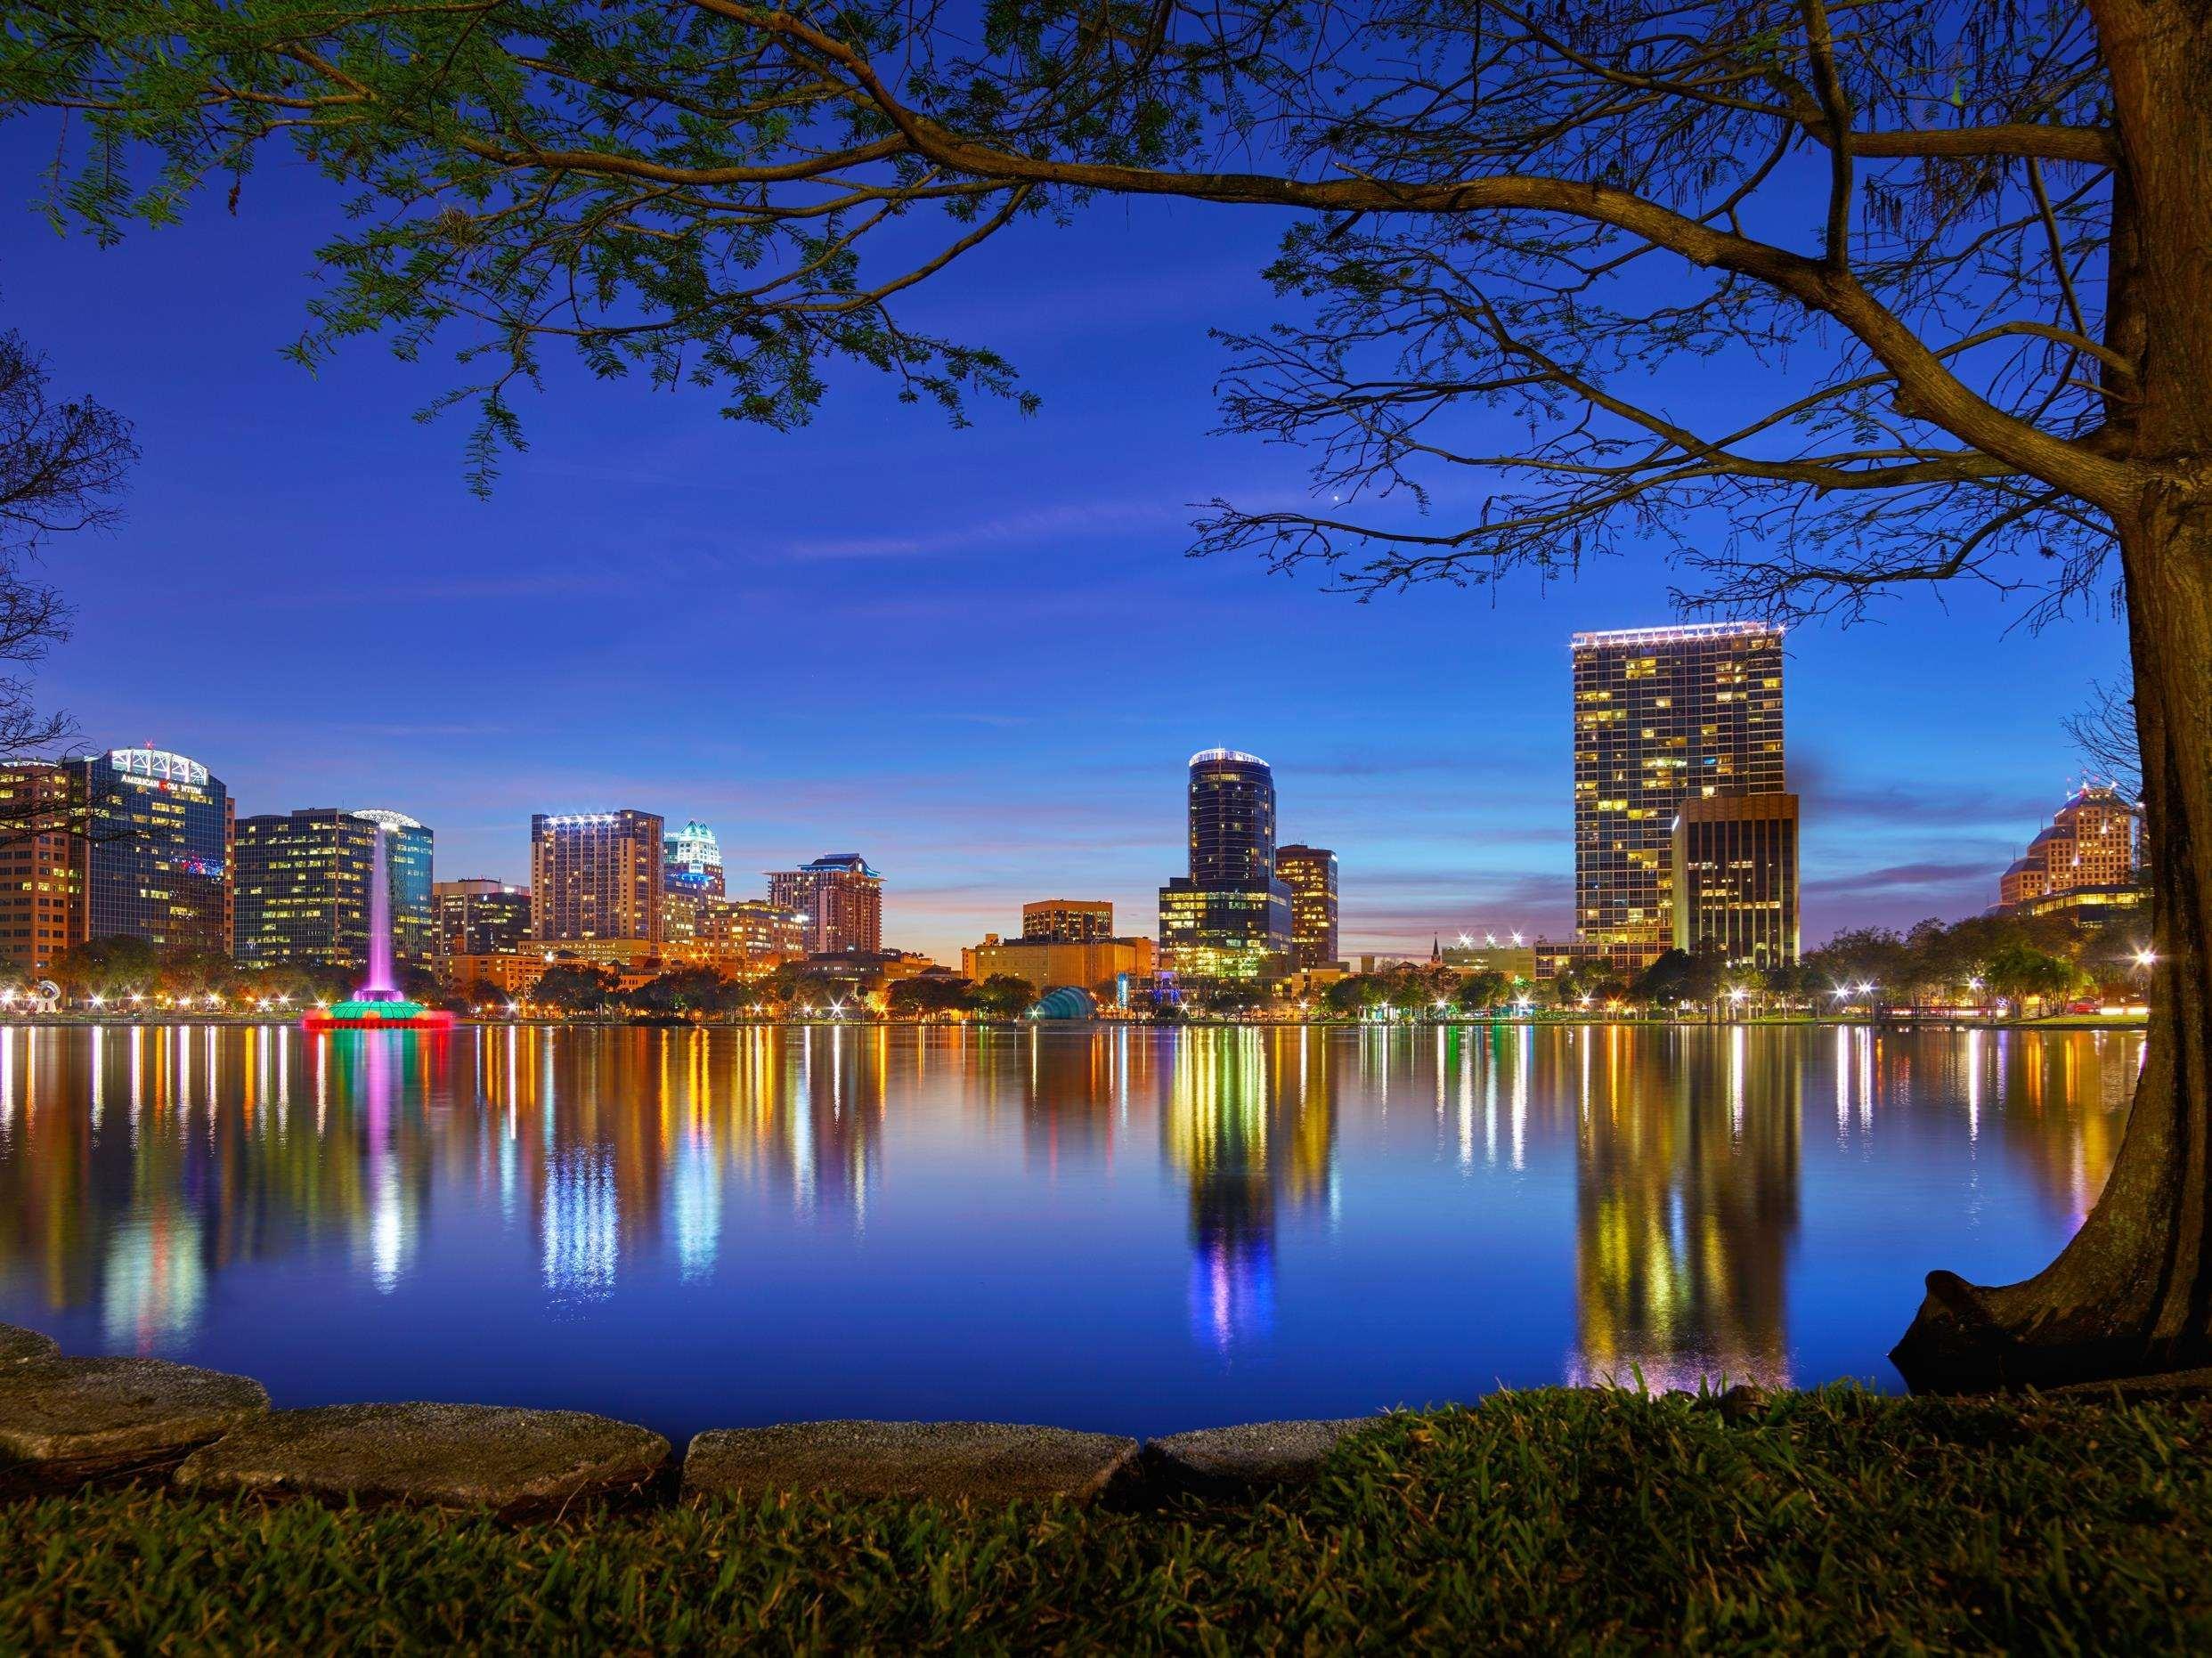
2055 1102
138 1164
1250 1122
1687 1160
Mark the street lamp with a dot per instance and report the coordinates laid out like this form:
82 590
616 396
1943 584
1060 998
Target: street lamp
2144 957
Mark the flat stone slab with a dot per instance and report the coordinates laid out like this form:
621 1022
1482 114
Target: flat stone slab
981 1462
1250 1454
19 1346
438 1455
66 1419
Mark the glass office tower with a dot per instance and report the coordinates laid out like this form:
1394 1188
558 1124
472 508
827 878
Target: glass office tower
1230 918
157 856
1661 716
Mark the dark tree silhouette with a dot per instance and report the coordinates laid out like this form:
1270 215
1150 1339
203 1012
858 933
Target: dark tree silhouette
2104 731
1962 241
62 466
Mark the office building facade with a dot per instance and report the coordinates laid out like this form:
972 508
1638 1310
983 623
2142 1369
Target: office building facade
1310 871
1735 878
764 934
1094 964
596 875
2092 843
692 862
157 851
1068 921
409 853
479 917
300 890
1661 716
41 877
1230 918
842 899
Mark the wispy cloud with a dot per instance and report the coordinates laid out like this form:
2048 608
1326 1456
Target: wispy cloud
1072 519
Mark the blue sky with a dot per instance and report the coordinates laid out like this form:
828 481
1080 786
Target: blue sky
977 656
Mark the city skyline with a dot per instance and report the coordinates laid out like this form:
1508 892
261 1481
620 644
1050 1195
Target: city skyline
645 612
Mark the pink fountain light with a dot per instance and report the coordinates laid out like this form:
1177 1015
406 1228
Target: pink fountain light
378 1005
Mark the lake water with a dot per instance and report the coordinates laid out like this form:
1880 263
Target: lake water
1121 1229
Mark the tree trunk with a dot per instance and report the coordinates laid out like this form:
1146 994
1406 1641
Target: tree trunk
2132 1294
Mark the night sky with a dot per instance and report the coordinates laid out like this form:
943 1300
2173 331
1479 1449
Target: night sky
979 657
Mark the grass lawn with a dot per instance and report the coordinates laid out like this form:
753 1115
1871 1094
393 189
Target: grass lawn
1835 1519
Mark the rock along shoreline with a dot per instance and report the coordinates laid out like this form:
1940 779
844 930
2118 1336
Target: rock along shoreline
67 1421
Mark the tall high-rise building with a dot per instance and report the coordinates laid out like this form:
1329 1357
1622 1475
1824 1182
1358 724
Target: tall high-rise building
1230 918
848 904
1735 888
480 917
41 882
1661 716
692 862
408 853
691 879
1310 871
301 887
2093 842
156 855
842 899
1232 811
596 875
793 891
1068 921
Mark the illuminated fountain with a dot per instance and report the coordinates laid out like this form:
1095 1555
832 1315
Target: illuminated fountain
378 1005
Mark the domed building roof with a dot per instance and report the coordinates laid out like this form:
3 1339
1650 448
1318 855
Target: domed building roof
1067 1002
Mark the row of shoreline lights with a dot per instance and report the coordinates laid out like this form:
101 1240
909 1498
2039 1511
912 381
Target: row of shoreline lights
137 999
837 1008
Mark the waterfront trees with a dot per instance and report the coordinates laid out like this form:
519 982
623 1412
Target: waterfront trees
574 988
1958 241
1001 995
929 994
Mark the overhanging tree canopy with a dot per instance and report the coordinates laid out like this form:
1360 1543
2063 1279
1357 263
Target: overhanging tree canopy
1962 240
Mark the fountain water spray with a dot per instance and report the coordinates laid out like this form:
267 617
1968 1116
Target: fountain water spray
378 1005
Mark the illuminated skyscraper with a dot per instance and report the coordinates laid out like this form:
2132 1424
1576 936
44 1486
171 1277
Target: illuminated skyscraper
1230 917
692 861
1310 871
302 887
156 852
480 917
1735 878
596 875
841 898
1068 921
1232 821
41 880
407 855
1661 716
2092 843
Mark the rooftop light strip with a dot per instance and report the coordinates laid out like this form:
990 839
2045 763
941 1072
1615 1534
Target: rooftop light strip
1684 630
